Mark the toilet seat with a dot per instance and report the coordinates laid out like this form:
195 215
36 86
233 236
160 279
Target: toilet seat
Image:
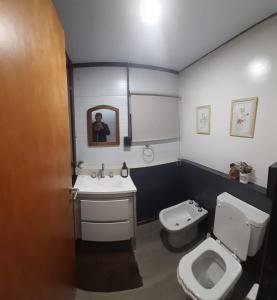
231 275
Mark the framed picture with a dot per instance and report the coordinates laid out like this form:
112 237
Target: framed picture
203 119
243 117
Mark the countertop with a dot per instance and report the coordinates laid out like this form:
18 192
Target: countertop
115 185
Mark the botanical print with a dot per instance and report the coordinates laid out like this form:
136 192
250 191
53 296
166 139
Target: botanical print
243 117
203 119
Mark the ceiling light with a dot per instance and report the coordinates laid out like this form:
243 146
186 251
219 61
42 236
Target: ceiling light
150 11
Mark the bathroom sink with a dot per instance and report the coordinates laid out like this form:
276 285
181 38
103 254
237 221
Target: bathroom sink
115 185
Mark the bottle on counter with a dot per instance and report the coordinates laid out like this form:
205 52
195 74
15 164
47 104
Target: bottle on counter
124 170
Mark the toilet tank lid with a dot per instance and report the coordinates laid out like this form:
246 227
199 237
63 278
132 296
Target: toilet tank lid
255 216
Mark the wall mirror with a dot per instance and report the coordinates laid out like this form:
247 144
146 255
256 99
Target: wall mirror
103 126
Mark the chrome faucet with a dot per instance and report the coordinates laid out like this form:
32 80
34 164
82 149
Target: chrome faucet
102 172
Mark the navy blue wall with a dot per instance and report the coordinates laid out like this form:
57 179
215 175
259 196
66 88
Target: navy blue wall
165 185
204 185
158 187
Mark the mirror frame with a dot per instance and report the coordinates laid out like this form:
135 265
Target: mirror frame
89 127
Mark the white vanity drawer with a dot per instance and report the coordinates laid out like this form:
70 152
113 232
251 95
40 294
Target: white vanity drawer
105 210
103 232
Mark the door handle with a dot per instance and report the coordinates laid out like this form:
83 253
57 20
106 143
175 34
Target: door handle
74 193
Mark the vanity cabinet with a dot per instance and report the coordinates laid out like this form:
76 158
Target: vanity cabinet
105 217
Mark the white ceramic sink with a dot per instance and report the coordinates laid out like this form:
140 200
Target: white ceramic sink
115 185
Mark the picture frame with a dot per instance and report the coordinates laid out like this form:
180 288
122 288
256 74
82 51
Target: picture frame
243 117
203 119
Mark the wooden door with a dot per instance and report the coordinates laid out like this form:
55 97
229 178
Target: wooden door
36 216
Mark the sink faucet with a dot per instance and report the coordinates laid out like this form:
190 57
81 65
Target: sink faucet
102 172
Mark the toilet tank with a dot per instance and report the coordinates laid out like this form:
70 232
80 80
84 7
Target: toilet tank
240 226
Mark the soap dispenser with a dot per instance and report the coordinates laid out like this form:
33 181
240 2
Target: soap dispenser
124 170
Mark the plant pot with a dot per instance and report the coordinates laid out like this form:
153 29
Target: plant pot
244 178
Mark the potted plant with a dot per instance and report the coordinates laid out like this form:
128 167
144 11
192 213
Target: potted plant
234 171
245 170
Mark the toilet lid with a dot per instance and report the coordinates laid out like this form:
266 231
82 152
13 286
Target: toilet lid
232 229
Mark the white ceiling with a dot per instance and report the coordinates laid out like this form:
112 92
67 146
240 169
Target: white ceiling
112 30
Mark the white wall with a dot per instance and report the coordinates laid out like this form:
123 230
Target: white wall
148 81
108 85
245 67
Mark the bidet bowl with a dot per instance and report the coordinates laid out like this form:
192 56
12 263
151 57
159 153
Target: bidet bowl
181 222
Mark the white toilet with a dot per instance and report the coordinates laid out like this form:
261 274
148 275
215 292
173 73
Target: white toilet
210 271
